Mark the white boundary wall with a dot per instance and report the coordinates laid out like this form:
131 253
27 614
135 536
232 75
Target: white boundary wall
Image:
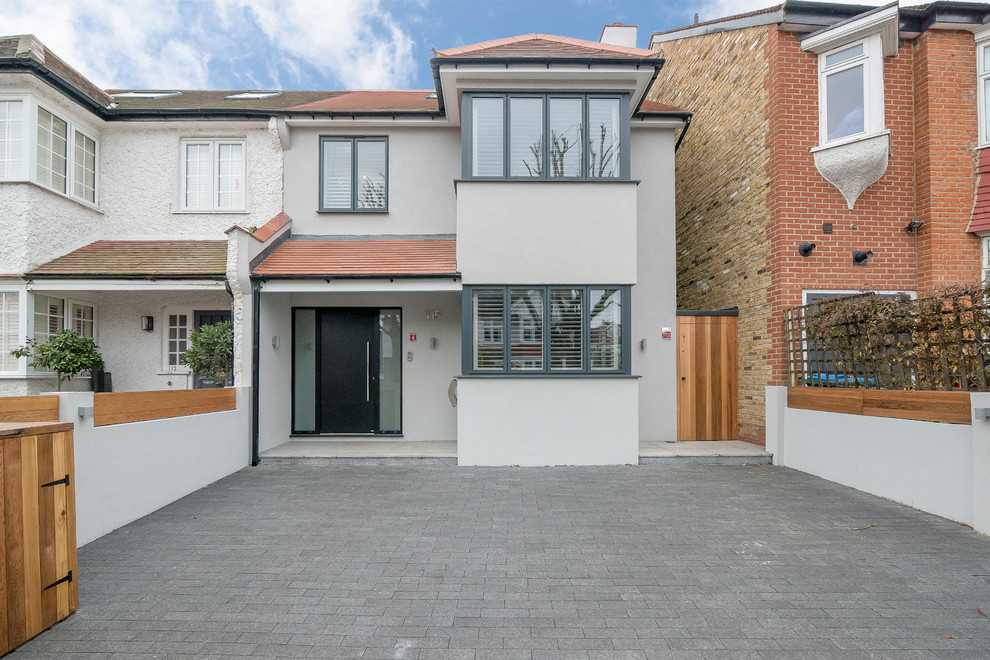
126 471
939 468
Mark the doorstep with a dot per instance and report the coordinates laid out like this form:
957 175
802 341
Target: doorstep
363 452
722 452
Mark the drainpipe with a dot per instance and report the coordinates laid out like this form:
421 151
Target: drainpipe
687 125
255 372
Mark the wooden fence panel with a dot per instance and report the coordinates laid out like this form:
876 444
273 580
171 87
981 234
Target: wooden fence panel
122 407
29 409
919 405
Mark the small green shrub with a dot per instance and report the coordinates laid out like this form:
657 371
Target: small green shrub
210 354
67 353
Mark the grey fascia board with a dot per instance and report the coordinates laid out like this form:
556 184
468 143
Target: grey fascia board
848 20
722 26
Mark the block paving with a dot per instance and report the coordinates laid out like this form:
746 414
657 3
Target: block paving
440 562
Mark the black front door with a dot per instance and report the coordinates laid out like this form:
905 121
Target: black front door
348 373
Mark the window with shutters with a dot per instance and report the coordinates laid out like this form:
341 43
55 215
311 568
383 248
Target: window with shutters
525 136
213 176
9 329
13 156
354 174
548 330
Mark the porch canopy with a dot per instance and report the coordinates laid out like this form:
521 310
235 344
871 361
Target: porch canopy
135 265
365 264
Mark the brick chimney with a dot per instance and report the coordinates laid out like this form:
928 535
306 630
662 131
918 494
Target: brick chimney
618 34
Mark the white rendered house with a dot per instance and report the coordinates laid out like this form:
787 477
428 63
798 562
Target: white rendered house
503 242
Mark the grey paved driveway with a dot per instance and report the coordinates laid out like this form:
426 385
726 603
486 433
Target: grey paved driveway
693 561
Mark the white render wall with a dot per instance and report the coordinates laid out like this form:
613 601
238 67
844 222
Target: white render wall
426 411
939 468
547 421
423 162
546 233
126 471
654 298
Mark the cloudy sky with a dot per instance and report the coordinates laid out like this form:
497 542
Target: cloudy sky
312 44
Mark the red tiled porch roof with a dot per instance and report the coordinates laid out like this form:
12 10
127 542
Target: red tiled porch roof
144 259
541 46
361 258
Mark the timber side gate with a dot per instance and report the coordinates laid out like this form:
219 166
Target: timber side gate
707 377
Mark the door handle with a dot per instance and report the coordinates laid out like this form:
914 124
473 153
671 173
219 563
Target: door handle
367 371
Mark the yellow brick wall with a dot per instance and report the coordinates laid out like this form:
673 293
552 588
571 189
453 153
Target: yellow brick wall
722 183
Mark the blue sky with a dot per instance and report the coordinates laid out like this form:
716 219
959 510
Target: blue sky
312 44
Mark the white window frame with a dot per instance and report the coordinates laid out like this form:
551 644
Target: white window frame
982 77
21 363
182 369
985 245
873 90
96 166
214 144
26 142
67 304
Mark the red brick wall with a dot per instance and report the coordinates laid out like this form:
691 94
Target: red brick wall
800 199
945 151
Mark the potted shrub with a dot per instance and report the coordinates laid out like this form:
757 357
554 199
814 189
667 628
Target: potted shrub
210 353
67 353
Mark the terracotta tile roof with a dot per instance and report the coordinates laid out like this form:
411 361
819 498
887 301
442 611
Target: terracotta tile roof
365 100
143 259
981 210
361 258
650 107
541 46
267 230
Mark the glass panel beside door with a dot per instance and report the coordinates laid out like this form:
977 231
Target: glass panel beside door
346 371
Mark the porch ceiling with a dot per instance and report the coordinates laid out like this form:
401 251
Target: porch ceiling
303 258
139 259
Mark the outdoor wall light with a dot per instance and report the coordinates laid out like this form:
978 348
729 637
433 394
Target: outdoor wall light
914 224
805 249
860 257
147 323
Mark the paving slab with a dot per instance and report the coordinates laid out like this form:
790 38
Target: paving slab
417 562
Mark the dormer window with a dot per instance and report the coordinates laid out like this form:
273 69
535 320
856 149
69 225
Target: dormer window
529 136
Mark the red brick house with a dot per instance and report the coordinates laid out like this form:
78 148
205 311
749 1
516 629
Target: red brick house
855 129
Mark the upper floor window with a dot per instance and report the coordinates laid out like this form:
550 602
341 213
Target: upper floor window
983 73
547 330
353 174
213 175
546 136
12 154
850 90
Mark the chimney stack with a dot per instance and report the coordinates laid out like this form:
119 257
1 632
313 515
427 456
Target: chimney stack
618 34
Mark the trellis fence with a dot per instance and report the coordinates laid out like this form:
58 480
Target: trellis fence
877 342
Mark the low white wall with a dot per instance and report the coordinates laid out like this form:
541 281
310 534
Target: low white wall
125 471
939 468
547 421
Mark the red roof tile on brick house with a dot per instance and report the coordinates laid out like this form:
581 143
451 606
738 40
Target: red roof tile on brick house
362 258
267 230
539 46
981 210
144 259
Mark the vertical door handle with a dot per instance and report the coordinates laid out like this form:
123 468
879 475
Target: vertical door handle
367 371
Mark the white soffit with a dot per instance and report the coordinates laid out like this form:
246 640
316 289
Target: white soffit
125 285
883 21
360 285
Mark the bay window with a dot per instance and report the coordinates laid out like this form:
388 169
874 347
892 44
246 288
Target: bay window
9 330
850 90
983 85
548 330
546 136
12 155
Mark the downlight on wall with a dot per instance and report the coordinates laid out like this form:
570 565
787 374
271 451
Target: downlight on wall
860 257
805 249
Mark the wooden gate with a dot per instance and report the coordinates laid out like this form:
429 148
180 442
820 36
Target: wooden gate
38 529
707 380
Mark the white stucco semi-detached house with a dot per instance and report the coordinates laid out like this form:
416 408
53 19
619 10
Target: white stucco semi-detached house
511 230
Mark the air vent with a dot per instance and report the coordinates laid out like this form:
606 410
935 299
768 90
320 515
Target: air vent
253 96
431 95
147 95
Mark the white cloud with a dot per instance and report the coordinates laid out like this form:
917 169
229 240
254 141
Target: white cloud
172 43
356 41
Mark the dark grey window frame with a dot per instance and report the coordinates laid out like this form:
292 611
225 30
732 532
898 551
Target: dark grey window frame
467 334
467 144
354 140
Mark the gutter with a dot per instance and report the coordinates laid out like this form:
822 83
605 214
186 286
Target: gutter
30 65
121 276
687 125
329 278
